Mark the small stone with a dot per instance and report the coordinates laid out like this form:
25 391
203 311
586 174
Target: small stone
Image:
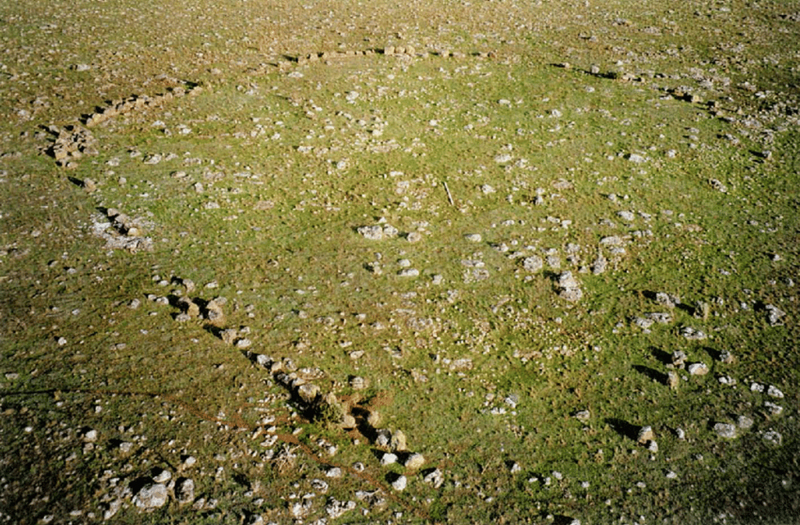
693 334
678 359
725 430
414 237
151 496
388 459
435 478
774 410
229 336
637 159
184 490
414 461
645 435
408 272
773 391
474 237
673 379
599 265
698 369
358 383
774 315
111 511
533 263
90 436
772 437
582 415
744 422
400 483
374 418
334 472
308 392
254 519
398 441
373 233
670 301
383 438
161 475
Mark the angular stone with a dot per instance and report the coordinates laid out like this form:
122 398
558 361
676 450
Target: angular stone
151 496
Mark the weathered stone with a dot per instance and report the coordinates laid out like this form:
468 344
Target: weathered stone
725 430
673 380
308 392
533 264
698 369
151 496
434 477
414 461
645 435
184 490
398 442
400 483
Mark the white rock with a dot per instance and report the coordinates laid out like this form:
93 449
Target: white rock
162 476
772 437
698 369
774 392
725 430
533 263
415 461
474 237
638 159
388 459
184 490
400 483
151 496
435 478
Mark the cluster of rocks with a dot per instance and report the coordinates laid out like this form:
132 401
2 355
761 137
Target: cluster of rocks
71 143
137 102
409 51
378 232
121 232
150 492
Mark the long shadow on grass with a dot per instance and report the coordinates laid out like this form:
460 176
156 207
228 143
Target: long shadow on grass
623 428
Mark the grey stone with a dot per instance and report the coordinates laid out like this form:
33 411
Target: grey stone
151 496
725 430
533 263
435 478
184 490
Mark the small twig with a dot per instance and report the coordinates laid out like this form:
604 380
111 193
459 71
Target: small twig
449 196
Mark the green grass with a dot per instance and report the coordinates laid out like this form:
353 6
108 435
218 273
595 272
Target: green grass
292 165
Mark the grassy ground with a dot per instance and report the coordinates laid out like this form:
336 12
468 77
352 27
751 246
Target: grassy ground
660 138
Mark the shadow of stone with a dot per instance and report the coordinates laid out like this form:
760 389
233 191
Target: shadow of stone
655 375
623 428
661 355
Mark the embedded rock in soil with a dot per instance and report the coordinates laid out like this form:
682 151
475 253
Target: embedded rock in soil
151 496
184 490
